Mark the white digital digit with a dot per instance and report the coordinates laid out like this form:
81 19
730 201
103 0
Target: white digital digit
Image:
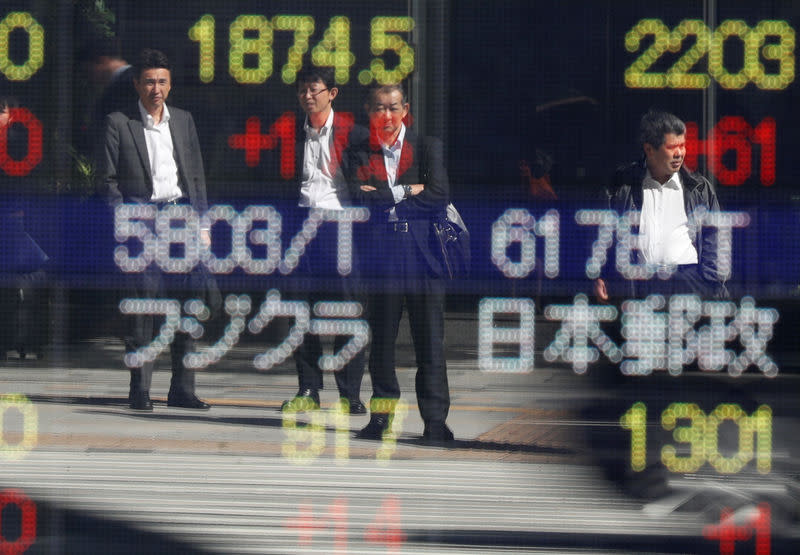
606 222
177 226
129 224
170 309
491 334
274 307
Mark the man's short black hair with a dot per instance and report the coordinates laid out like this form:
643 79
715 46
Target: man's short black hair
385 89
655 124
150 58
8 101
312 74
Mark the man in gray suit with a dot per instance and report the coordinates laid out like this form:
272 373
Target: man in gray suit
151 155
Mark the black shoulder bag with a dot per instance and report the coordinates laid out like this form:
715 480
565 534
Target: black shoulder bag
453 241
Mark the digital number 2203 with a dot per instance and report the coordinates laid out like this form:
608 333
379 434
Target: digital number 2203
770 41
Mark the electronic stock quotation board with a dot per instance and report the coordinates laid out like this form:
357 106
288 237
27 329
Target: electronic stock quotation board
567 79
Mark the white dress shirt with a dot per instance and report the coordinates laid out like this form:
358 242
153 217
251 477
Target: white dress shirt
664 227
160 154
391 161
321 186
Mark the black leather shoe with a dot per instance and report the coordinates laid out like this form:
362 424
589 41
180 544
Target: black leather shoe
187 402
437 433
378 423
305 400
141 401
353 406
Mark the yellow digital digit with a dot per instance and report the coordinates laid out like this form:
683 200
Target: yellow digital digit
782 52
381 41
635 420
311 435
259 46
637 76
334 49
716 59
303 27
397 410
30 426
341 421
692 434
761 424
203 32
679 76
737 461
24 71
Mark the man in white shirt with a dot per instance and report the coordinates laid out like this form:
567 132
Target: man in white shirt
325 166
666 195
681 254
151 155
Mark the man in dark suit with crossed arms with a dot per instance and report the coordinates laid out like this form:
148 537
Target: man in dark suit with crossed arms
404 184
151 155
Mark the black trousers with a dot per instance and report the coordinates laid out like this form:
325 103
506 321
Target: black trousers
142 329
406 281
686 280
321 281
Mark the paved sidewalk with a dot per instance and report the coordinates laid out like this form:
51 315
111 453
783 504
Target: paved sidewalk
80 394
523 475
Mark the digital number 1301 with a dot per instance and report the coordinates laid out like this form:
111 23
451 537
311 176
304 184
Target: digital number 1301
701 432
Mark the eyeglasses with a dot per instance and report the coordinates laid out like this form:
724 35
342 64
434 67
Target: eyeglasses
302 92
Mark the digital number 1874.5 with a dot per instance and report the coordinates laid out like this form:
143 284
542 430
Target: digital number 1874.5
250 56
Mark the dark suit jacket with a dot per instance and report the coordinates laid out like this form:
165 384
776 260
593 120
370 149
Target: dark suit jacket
346 135
421 161
124 170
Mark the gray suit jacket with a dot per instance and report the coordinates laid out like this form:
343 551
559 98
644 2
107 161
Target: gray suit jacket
124 167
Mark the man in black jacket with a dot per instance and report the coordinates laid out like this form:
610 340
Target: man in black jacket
674 255
670 242
405 186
